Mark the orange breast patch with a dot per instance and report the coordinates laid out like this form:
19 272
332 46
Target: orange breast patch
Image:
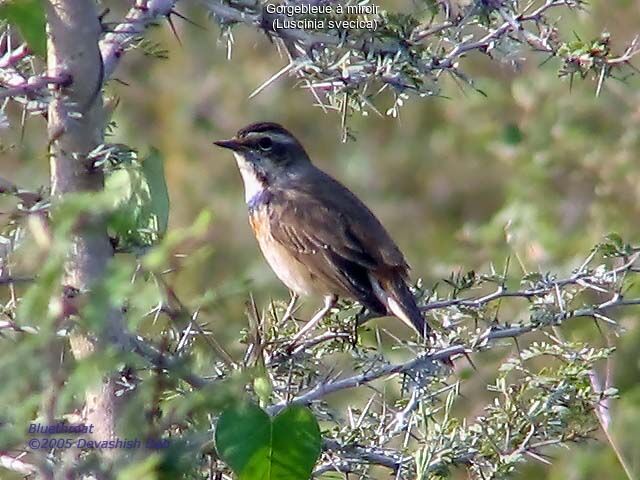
285 265
259 220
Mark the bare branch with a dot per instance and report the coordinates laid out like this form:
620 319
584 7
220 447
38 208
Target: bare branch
427 362
141 15
75 129
16 465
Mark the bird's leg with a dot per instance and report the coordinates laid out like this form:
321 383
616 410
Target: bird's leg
363 316
329 303
288 313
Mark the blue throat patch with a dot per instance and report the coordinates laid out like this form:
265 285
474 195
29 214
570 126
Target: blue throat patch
259 199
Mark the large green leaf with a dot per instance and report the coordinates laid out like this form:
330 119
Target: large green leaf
130 221
140 201
153 169
28 16
258 447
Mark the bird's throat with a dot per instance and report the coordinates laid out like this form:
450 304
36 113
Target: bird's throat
254 182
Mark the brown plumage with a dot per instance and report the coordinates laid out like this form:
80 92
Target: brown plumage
317 236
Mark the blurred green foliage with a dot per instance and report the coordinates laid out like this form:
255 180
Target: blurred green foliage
29 17
535 171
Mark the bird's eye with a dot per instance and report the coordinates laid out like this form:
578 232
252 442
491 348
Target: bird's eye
265 144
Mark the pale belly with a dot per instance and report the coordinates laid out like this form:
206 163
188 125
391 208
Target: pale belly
288 269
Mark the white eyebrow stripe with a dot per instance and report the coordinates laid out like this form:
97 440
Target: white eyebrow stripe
275 136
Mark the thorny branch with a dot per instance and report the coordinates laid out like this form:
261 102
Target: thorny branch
347 70
584 277
305 378
30 89
549 299
141 15
427 360
21 83
16 465
350 68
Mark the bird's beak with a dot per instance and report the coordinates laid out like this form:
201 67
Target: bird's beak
231 144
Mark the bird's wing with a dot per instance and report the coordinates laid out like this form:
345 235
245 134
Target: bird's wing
307 230
360 225
332 232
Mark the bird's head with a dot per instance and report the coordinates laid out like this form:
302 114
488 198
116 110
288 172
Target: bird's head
268 152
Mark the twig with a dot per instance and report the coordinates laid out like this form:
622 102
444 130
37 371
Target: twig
577 278
604 418
428 361
33 86
139 17
16 465
165 361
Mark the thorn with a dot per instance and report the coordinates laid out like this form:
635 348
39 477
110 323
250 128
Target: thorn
103 14
173 29
544 62
23 122
186 19
515 340
570 82
595 320
538 457
272 79
3 42
602 76
468 357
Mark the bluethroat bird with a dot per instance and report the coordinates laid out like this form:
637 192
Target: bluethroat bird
316 235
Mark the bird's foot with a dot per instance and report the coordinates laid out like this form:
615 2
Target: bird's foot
329 303
291 308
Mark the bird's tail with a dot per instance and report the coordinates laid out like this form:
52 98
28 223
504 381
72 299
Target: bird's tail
394 293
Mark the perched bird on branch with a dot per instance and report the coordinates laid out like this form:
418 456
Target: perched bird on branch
316 235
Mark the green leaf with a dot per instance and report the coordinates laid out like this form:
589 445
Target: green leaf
512 135
614 246
28 16
258 447
140 201
159 256
263 388
130 197
153 169
615 239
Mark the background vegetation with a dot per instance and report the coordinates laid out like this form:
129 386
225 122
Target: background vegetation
536 170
